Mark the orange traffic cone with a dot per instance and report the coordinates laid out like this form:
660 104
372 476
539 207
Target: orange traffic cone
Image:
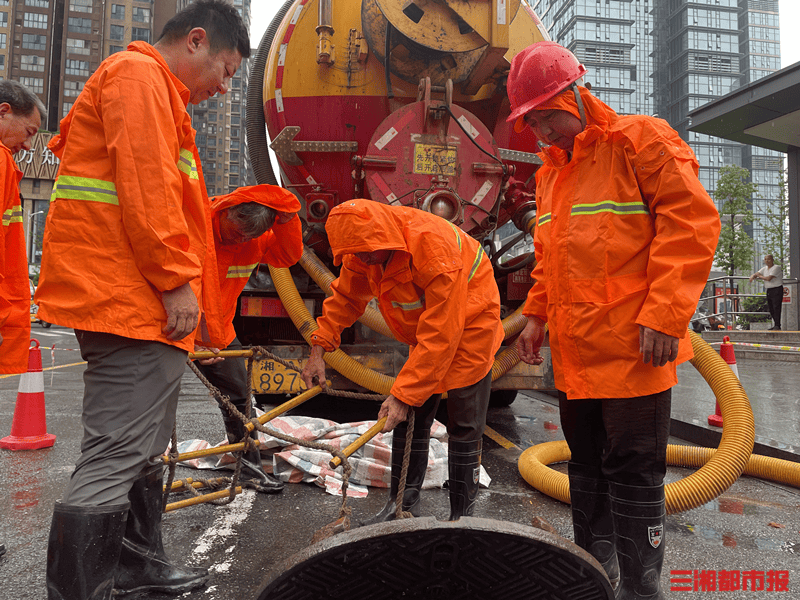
726 352
29 428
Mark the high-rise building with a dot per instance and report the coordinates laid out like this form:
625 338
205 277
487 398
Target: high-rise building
53 46
668 57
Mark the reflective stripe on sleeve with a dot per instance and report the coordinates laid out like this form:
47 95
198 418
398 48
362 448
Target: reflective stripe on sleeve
12 215
238 271
71 187
187 164
476 263
410 305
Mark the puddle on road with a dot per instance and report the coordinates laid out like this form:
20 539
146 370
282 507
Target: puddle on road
729 539
732 506
524 419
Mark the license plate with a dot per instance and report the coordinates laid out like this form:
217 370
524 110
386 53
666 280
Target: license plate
271 377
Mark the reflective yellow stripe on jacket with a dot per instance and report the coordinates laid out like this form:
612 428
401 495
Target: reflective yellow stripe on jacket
410 305
98 190
85 188
618 208
187 164
238 271
593 208
12 215
478 254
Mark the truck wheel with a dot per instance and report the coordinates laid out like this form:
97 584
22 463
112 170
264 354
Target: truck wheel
501 398
45 324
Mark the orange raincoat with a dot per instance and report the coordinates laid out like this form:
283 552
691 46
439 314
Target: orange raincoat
15 291
129 215
625 236
280 246
437 293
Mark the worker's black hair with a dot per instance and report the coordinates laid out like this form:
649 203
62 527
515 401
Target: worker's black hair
223 24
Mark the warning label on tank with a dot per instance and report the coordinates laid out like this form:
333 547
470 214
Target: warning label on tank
435 160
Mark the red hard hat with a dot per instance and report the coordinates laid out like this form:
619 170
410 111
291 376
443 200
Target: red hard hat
538 73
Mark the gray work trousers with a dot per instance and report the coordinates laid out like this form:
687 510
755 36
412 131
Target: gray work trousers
130 399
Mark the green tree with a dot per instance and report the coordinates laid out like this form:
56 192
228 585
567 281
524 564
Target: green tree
776 227
735 248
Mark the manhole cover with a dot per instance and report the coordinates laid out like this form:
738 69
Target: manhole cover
426 559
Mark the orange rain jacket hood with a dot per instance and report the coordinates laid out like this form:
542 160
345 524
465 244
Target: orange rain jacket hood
129 215
280 246
15 291
437 293
625 237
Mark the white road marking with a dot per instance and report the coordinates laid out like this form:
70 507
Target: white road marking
223 528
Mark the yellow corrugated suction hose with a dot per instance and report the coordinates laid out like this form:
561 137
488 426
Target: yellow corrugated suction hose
306 325
718 468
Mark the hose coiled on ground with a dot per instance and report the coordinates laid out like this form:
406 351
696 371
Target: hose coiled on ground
718 468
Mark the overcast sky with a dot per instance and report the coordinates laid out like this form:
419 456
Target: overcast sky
262 12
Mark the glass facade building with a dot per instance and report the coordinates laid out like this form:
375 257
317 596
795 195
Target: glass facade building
668 57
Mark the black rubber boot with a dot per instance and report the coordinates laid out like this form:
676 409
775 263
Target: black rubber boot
417 466
639 515
464 466
251 461
592 521
143 564
83 551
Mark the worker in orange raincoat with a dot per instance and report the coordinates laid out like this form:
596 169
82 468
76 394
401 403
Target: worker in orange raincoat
624 242
253 225
129 263
21 115
436 290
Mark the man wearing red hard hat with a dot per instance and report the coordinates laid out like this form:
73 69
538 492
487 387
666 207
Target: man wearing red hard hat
624 242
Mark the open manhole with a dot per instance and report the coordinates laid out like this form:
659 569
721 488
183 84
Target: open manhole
426 559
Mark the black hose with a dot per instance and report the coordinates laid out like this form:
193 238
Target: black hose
388 51
257 147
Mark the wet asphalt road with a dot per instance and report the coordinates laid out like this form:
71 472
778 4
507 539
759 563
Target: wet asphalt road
753 527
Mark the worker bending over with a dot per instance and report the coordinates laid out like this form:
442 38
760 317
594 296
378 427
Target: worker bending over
624 242
252 225
436 290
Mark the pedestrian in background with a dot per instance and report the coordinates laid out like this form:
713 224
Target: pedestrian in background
772 276
128 262
435 287
624 242
252 225
21 115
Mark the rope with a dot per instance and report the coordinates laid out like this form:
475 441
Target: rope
259 352
401 486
